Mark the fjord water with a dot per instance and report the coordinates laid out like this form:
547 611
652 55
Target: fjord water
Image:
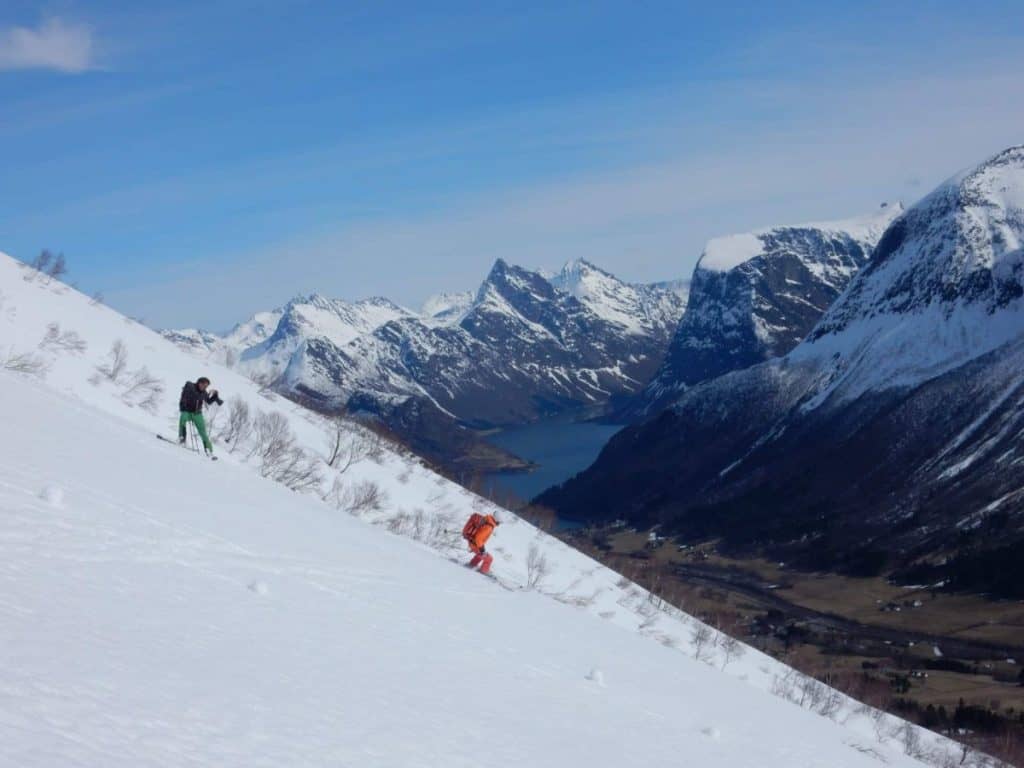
560 448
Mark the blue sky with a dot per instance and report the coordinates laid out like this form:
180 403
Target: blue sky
198 161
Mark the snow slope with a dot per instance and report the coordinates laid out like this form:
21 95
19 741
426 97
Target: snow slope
159 609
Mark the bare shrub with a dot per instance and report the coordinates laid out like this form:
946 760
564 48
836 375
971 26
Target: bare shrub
281 458
811 692
38 267
96 299
298 470
784 686
58 268
910 738
143 389
537 567
831 705
239 425
348 445
25 363
880 724
397 522
701 638
114 368
362 497
46 267
732 648
62 341
272 437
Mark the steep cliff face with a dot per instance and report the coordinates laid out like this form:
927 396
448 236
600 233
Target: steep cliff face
756 296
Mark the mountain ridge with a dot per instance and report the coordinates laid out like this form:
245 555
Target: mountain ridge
897 420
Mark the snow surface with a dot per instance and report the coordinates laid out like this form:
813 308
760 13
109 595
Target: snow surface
636 309
722 254
448 307
158 609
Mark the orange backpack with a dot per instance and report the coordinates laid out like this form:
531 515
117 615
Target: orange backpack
472 525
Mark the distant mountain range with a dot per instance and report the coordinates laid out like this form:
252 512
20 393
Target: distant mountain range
523 347
890 437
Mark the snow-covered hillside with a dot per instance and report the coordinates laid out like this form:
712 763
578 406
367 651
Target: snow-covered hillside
755 296
161 609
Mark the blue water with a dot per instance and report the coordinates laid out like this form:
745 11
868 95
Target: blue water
559 448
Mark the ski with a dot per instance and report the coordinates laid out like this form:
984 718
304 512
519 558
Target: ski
500 582
182 446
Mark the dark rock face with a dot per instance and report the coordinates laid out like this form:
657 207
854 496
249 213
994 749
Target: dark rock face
744 311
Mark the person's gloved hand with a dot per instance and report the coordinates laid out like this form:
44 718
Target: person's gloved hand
483 550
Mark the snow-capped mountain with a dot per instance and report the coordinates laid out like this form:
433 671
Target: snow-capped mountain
755 296
226 348
315 318
164 610
640 310
896 429
522 347
447 307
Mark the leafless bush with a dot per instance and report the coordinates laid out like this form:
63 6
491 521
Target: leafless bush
25 363
397 522
348 445
239 425
910 738
143 389
46 267
784 686
281 458
537 567
38 267
272 437
831 705
114 368
62 341
96 299
58 268
811 692
701 638
880 724
732 648
362 497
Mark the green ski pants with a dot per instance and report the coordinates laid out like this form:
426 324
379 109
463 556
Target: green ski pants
200 424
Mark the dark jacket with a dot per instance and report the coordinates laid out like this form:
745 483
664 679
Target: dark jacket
192 399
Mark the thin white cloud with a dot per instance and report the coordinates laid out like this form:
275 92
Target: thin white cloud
55 45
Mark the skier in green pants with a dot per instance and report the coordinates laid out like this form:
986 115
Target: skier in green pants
193 397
